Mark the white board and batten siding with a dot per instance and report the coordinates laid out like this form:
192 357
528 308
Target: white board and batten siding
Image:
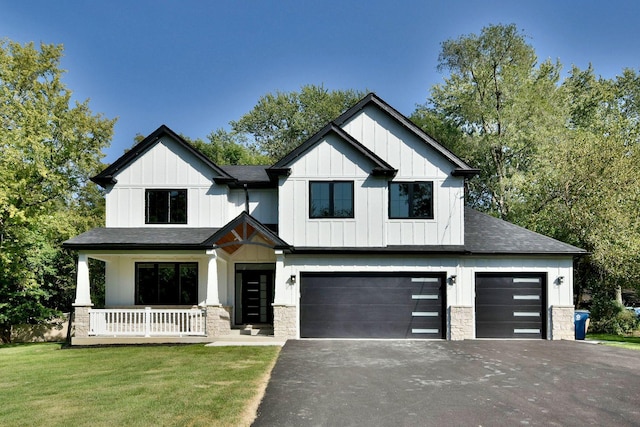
333 160
168 165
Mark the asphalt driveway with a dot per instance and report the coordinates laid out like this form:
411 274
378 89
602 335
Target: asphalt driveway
464 383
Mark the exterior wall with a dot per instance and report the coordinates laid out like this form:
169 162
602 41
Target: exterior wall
285 321
168 165
332 159
415 161
562 320
460 323
558 294
460 296
120 274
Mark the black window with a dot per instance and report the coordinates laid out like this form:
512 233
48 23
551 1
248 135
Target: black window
166 207
411 200
331 199
169 283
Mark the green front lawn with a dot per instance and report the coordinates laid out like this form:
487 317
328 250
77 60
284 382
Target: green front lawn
616 340
194 385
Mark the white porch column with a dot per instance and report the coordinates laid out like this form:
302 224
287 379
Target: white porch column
83 290
285 312
281 293
213 297
218 319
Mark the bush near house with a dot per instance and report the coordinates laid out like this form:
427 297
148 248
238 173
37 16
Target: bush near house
610 317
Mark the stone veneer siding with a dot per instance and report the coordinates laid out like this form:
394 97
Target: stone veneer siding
562 326
81 321
218 320
460 323
285 321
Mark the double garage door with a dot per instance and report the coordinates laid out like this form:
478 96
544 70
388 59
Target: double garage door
510 305
372 305
360 305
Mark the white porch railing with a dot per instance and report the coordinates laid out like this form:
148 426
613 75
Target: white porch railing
147 322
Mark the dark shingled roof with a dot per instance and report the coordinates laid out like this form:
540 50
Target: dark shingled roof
248 174
484 234
144 238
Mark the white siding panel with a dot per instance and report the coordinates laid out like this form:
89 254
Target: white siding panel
167 165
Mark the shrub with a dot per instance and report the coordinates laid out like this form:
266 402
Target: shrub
609 317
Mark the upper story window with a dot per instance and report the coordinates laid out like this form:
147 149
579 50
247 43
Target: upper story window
166 207
411 200
331 199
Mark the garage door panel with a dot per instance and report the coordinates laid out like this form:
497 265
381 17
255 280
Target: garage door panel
505 296
357 295
510 314
509 330
510 305
375 329
371 306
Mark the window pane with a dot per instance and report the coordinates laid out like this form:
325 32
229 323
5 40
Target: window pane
178 206
188 283
147 284
398 200
422 202
167 284
320 200
157 207
342 199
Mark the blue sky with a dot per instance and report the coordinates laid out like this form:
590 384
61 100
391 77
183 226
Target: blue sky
196 65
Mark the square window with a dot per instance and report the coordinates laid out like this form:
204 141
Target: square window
166 207
411 200
333 199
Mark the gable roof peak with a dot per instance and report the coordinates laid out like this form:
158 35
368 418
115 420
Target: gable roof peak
106 177
380 167
461 167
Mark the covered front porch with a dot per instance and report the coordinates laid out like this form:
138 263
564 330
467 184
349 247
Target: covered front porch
193 286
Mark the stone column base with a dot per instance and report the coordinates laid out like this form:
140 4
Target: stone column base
285 321
218 320
562 323
460 321
81 321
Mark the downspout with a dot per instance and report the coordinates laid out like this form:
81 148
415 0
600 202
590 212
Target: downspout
246 199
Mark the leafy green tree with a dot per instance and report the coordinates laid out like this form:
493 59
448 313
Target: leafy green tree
280 122
48 149
502 103
585 187
229 148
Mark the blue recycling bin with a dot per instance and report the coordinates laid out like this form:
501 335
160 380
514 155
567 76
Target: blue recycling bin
581 321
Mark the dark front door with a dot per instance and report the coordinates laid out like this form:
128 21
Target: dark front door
257 296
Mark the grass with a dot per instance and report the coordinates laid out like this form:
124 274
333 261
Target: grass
191 385
617 340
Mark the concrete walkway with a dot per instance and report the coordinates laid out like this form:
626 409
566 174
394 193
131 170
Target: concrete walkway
464 383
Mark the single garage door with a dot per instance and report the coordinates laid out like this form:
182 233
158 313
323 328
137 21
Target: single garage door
510 305
372 305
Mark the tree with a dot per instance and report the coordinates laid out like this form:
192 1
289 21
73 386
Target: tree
229 148
585 188
280 122
503 105
48 149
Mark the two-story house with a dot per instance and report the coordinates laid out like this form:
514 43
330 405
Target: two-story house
360 232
